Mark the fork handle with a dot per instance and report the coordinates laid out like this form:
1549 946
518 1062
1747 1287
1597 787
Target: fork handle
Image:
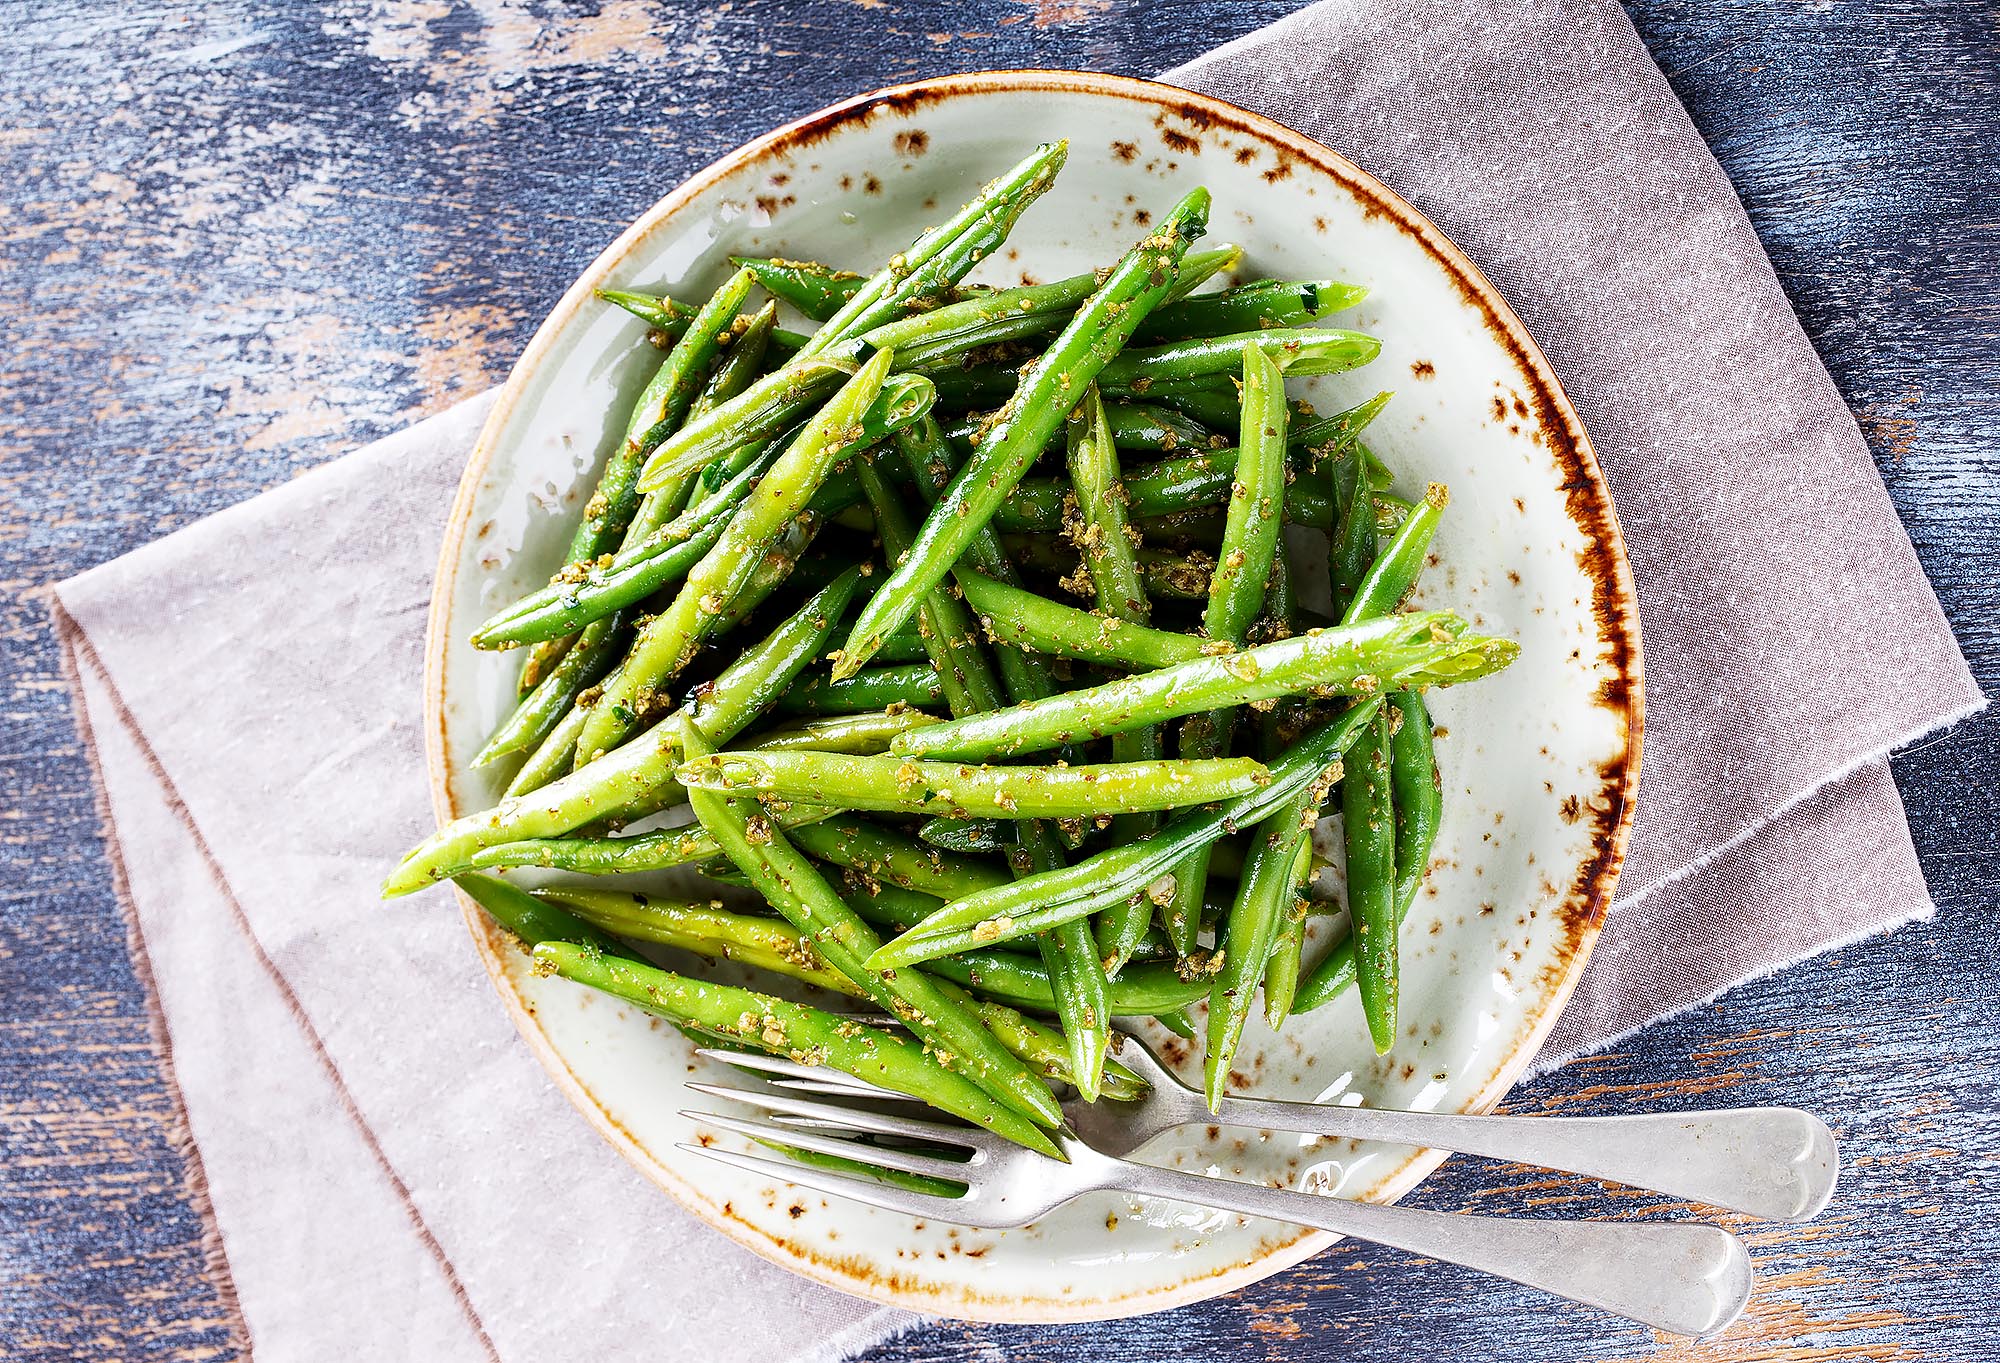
1686 1279
1773 1162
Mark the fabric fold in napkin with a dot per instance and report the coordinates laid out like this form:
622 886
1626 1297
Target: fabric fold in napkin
387 1171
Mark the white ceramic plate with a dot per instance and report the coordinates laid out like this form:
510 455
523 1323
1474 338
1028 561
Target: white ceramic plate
1540 762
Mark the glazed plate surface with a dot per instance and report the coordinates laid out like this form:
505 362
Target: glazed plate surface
1540 762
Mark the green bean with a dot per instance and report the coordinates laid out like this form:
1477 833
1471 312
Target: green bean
792 886
860 1168
1295 350
1144 426
1102 536
899 785
1068 952
632 774
1141 990
1263 303
916 279
1389 578
538 662
909 685
1412 769
1024 676
817 290
1211 399
556 755
1429 648
1417 794
1249 547
670 318
1262 897
769 406
637 571
942 621
723 707
1202 478
1369 821
706 928
883 1058
1039 901
585 592
1418 805
1319 446
943 335
1027 620
1103 539
656 851
1161 425
660 409
1198 267
670 639
776 946
1274 730
742 362
971 837
1330 437
1256 505
615 498
551 759
905 645
663 314
1046 1049
1134 426
593 654
533 920
1353 536
978 387
862 734
1122 926
940 336
894 906
883 854
740 366
1093 336
1012 977
1279 621
1281 968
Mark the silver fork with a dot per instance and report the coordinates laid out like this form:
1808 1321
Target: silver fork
1687 1279
1776 1163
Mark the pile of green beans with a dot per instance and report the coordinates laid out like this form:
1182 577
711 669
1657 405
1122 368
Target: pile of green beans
979 657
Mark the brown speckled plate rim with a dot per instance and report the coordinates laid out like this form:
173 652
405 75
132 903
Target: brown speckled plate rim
1589 505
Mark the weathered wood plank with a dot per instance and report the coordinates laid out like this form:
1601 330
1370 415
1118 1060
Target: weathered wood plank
240 241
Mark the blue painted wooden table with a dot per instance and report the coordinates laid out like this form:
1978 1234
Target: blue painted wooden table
237 243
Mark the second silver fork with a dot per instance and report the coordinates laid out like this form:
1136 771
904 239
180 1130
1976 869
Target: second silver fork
1776 1163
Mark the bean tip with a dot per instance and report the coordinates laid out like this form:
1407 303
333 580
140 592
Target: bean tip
405 879
885 957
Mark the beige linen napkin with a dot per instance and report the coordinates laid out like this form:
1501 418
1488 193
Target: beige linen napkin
386 1170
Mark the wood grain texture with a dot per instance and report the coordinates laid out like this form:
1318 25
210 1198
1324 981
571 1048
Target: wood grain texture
238 243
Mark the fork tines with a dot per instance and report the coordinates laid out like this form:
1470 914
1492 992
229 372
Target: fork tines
830 1129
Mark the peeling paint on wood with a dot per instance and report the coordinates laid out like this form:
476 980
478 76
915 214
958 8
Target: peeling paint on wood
240 240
